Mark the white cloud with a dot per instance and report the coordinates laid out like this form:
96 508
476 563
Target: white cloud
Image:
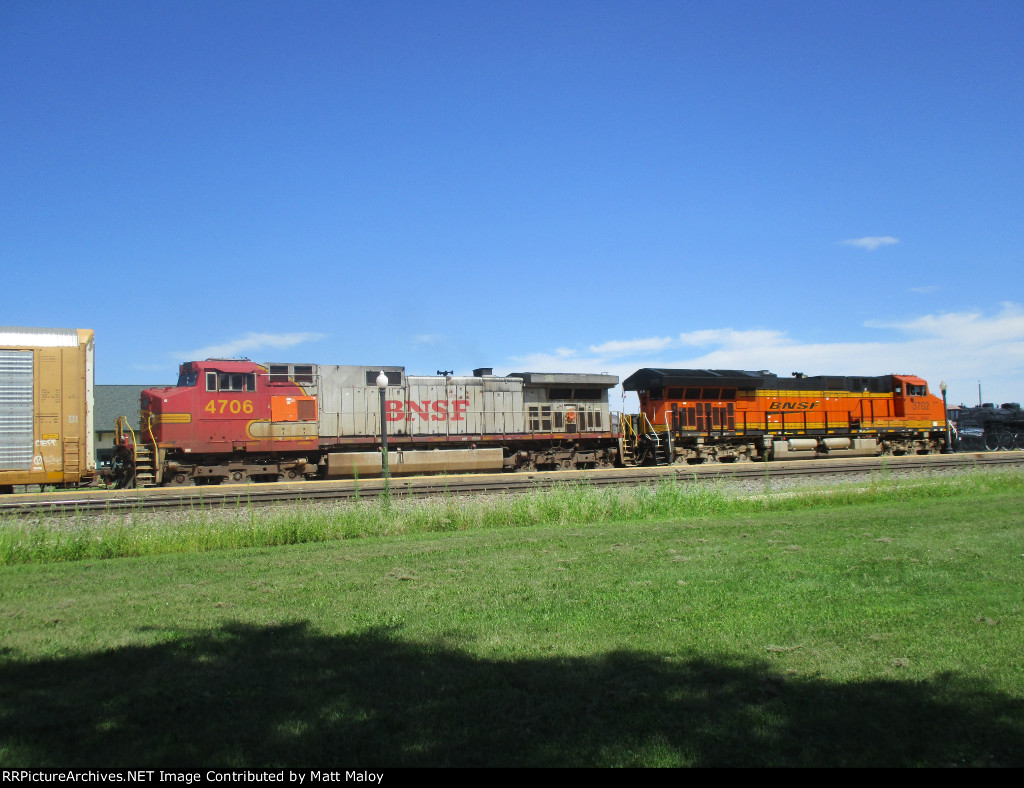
1004 330
871 242
731 338
625 347
427 339
250 343
961 348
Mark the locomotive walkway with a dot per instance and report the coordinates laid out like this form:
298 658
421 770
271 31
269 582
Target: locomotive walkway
98 501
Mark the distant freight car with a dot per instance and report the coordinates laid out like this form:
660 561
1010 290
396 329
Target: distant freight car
700 415
46 407
236 420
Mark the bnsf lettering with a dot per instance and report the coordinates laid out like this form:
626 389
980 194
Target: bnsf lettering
426 410
794 405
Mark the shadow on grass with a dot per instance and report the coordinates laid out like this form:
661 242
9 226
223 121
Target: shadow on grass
290 696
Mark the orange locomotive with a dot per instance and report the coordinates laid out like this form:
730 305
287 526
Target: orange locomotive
699 415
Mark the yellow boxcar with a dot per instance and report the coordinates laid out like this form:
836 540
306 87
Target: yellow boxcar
46 407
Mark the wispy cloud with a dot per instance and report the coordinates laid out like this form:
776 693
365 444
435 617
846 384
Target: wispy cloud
1003 331
426 339
730 338
924 289
871 242
249 344
630 346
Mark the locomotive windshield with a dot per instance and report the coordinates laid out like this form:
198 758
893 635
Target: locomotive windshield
187 377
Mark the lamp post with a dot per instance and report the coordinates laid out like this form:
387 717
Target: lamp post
382 385
947 449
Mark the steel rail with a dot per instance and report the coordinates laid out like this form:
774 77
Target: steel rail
99 502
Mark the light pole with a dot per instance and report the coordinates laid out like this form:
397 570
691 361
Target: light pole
947 449
382 385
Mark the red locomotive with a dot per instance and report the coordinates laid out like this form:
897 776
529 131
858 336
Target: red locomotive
236 420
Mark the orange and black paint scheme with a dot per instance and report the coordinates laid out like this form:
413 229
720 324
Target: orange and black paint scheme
694 415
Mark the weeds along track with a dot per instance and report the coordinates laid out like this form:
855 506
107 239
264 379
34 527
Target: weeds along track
99 502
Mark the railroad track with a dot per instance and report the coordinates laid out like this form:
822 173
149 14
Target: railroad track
98 502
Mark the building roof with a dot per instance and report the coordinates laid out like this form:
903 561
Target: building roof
114 401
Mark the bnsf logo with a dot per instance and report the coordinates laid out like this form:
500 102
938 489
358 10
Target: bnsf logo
794 405
426 410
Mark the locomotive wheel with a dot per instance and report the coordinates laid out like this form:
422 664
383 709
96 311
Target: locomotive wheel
991 442
1018 440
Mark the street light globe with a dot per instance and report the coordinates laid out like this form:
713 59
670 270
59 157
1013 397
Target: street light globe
942 387
382 380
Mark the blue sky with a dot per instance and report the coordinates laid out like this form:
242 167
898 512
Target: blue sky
825 187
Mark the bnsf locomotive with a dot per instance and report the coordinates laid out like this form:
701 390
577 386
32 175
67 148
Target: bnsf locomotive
236 421
698 415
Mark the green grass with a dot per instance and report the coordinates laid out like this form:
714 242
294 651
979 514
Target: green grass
205 529
871 626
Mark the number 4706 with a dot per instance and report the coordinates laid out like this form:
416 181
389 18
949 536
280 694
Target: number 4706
235 406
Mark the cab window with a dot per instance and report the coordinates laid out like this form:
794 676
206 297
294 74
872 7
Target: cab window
230 381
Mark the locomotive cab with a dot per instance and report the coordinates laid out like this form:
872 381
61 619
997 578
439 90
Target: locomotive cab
224 406
911 400
226 420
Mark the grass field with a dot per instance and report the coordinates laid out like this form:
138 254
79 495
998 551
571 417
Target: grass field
875 626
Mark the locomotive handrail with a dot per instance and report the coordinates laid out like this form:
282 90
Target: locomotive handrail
648 422
643 427
119 425
628 431
146 418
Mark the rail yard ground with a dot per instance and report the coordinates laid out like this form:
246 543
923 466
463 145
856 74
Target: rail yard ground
876 624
